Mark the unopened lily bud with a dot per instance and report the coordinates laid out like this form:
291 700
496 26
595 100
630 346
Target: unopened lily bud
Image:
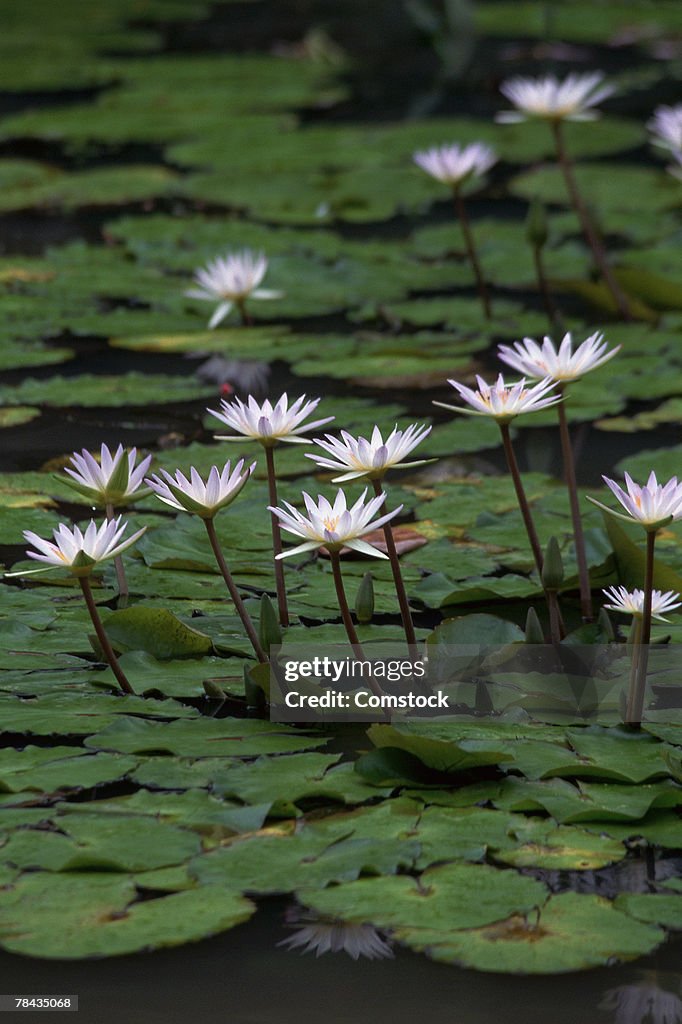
534 634
537 230
553 566
269 632
605 624
212 690
364 600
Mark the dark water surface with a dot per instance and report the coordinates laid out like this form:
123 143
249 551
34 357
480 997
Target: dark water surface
241 977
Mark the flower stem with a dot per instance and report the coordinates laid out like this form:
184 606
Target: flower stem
586 222
555 621
120 675
472 254
635 705
234 593
118 565
276 538
346 616
405 612
578 534
244 313
521 496
343 605
634 642
543 286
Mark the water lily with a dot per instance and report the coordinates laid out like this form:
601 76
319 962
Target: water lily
334 526
550 99
555 102
205 499
79 551
370 457
266 422
114 480
201 498
558 363
356 940
455 164
231 280
269 424
666 127
652 505
503 402
563 364
631 602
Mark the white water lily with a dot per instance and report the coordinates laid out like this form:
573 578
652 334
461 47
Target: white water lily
79 551
198 497
269 423
455 164
652 506
503 401
631 602
333 526
550 99
560 364
369 457
356 940
113 480
666 127
231 280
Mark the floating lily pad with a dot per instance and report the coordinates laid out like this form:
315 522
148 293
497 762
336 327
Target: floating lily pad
94 914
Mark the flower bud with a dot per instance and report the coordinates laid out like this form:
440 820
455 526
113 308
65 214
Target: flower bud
364 599
269 632
537 230
605 624
534 634
553 566
212 690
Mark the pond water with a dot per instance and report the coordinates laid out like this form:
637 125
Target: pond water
242 976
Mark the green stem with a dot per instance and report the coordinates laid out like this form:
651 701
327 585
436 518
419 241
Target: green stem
543 286
118 565
405 613
578 534
234 593
555 623
635 708
276 538
635 644
104 643
521 496
481 286
346 616
244 313
586 222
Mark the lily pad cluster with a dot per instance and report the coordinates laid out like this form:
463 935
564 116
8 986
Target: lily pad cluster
129 824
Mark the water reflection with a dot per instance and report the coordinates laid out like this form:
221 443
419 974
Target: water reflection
319 935
645 1001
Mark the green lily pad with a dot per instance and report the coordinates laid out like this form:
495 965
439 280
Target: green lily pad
156 631
203 737
95 914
